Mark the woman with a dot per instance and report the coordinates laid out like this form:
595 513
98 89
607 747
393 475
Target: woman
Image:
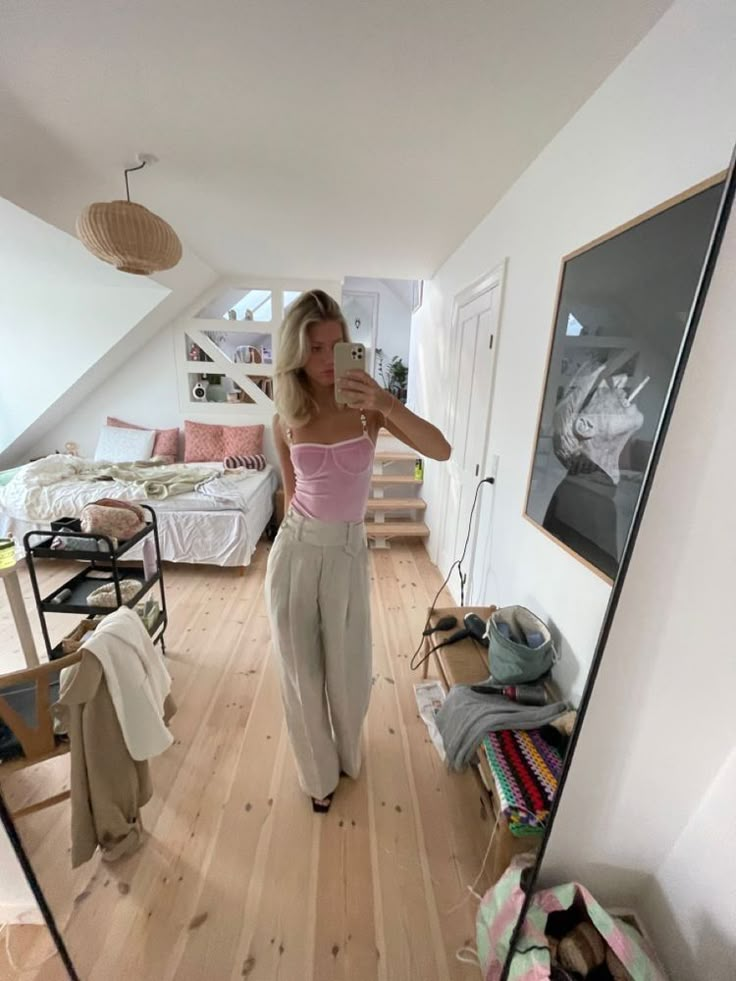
317 582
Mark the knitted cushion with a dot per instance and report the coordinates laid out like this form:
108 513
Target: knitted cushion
116 519
256 461
242 440
166 443
205 443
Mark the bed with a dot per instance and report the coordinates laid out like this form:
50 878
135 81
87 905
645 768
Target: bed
218 522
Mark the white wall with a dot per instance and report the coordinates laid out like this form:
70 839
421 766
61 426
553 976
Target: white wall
691 904
61 310
144 392
17 904
661 123
651 787
145 389
394 314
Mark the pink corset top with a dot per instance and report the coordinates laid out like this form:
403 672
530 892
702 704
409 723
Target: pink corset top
333 479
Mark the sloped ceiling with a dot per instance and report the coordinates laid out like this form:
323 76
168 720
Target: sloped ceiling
315 139
310 140
67 321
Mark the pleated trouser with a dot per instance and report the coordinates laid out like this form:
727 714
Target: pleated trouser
318 597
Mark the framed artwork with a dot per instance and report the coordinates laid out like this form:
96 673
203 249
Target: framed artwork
622 306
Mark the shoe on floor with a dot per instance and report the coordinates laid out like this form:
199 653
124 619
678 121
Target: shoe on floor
321 806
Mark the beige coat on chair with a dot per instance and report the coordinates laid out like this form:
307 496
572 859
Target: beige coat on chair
108 788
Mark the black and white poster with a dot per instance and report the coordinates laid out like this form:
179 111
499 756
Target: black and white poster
623 305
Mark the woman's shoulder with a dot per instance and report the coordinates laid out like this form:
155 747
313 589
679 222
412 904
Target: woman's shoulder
280 429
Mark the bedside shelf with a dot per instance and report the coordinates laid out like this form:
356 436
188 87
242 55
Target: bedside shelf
44 551
83 584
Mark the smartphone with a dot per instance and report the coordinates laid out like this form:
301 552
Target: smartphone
348 357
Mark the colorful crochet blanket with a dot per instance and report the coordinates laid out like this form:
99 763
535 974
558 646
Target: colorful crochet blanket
525 769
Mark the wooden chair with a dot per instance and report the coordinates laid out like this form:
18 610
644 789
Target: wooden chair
38 742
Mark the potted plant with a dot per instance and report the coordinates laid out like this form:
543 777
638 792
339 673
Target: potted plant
397 377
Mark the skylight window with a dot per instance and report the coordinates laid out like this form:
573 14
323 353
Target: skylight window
254 305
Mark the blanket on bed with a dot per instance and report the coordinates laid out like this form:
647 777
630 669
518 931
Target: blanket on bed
155 480
32 494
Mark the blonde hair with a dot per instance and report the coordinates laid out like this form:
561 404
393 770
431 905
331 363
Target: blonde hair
295 403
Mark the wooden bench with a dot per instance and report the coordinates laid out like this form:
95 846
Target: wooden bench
466 663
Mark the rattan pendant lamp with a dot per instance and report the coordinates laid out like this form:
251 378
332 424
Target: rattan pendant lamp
127 235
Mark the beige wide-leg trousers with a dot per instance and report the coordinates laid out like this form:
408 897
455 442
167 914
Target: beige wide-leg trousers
318 596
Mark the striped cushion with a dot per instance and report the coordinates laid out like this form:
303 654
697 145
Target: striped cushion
255 461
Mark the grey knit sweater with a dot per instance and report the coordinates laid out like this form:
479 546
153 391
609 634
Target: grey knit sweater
466 716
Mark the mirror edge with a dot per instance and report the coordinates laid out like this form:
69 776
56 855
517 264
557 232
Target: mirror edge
23 860
722 217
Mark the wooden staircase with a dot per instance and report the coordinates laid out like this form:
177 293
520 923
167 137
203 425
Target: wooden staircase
392 517
394 504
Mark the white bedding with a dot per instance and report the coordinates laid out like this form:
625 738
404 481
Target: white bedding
219 523
52 488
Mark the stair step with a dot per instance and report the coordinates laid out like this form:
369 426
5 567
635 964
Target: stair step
396 504
388 456
397 529
387 480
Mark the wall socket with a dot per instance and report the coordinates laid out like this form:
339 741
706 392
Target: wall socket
492 467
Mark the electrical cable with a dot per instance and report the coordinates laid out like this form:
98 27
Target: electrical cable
457 563
471 888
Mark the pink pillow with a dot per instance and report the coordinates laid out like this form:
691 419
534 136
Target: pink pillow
206 443
166 444
242 440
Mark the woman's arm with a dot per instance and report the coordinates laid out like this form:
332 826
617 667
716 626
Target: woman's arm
287 469
416 432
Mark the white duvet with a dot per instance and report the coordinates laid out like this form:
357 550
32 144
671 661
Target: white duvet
52 488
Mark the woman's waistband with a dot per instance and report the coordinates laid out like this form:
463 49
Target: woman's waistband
328 534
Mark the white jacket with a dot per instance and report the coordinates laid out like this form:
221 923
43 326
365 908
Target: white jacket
137 679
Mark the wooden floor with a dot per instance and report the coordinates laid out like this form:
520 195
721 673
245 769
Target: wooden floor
238 878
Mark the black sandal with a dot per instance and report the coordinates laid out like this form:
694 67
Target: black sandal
322 805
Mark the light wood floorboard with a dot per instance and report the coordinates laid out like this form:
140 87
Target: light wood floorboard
238 878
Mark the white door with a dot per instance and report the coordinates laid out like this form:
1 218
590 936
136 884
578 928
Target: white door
475 329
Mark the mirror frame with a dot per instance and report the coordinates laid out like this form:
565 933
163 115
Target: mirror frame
531 875
24 862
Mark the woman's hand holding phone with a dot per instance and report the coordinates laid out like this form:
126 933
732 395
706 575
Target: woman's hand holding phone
360 391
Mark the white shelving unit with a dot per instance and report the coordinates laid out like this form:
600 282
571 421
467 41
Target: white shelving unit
208 318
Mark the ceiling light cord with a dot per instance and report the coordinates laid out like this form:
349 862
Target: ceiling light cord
129 170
